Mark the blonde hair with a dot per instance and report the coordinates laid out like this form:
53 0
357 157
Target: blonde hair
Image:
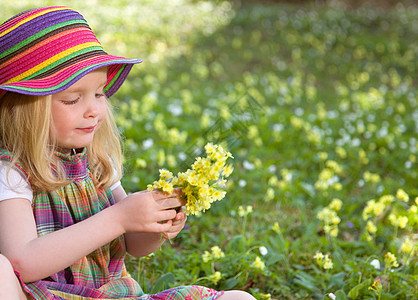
25 127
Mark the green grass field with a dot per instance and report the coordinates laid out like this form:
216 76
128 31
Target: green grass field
317 103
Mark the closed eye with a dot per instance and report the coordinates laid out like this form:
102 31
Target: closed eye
70 102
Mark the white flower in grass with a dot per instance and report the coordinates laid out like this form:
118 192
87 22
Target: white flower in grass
375 263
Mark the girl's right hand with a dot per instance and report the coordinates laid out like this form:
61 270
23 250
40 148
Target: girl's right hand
147 211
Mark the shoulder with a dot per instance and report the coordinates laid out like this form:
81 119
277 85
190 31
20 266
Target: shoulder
7 156
13 182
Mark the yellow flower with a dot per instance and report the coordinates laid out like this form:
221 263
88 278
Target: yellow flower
328 264
373 208
269 194
203 183
393 220
333 165
140 163
165 174
333 231
324 261
371 177
207 256
243 212
266 296
402 195
326 174
407 246
335 204
217 252
323 155
376 287
341 152
398 221
276 227
386 199
258 264
319 256
363 156
273 180
390 260
371 227
215 277
330 219
338 186
403 221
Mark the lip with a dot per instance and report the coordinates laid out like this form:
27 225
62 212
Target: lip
87 129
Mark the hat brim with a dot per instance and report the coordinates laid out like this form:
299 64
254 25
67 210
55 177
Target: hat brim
118 70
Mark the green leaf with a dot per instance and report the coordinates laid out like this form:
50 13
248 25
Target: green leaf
306 282
230 283
354 292
337 280
163 283
340 295
237 244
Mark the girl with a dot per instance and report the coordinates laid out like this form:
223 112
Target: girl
65 220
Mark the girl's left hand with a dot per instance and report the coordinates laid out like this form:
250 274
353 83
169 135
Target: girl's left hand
177 225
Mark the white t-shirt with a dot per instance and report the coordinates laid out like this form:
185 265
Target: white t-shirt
21 186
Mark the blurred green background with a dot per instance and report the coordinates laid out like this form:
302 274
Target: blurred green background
316 100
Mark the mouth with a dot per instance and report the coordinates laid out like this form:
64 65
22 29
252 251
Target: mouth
87 129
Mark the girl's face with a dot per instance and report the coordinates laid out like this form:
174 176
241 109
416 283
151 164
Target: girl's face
78 111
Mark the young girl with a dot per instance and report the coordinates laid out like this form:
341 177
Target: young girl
65 220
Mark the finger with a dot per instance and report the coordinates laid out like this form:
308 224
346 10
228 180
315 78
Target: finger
165 215
168 203
163 228
180 216
158 194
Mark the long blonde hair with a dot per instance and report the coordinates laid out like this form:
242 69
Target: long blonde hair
25 125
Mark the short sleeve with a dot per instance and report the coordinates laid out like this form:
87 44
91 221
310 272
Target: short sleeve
118 183
16 179
115 185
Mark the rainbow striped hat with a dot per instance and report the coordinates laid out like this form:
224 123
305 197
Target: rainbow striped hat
45 50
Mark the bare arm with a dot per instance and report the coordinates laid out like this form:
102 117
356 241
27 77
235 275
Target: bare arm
143 243
39 257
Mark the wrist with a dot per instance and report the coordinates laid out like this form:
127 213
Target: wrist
118 218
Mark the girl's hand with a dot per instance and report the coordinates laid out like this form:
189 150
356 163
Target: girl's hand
149 211
177 224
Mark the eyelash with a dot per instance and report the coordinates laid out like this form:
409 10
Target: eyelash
71 102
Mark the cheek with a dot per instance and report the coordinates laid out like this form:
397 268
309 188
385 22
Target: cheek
103 111
61 119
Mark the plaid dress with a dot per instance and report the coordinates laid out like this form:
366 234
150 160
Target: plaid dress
102 273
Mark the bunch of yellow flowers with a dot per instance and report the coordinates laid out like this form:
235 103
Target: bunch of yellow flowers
323 260
330 217
203 183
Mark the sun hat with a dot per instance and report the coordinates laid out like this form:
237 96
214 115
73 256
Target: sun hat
45 50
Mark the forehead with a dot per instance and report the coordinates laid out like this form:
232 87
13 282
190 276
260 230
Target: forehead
92 80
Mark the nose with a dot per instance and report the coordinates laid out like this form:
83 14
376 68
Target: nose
92 107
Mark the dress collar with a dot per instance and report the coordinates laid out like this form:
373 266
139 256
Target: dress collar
74 165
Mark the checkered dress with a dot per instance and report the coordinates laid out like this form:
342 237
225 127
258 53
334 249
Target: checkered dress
102 273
